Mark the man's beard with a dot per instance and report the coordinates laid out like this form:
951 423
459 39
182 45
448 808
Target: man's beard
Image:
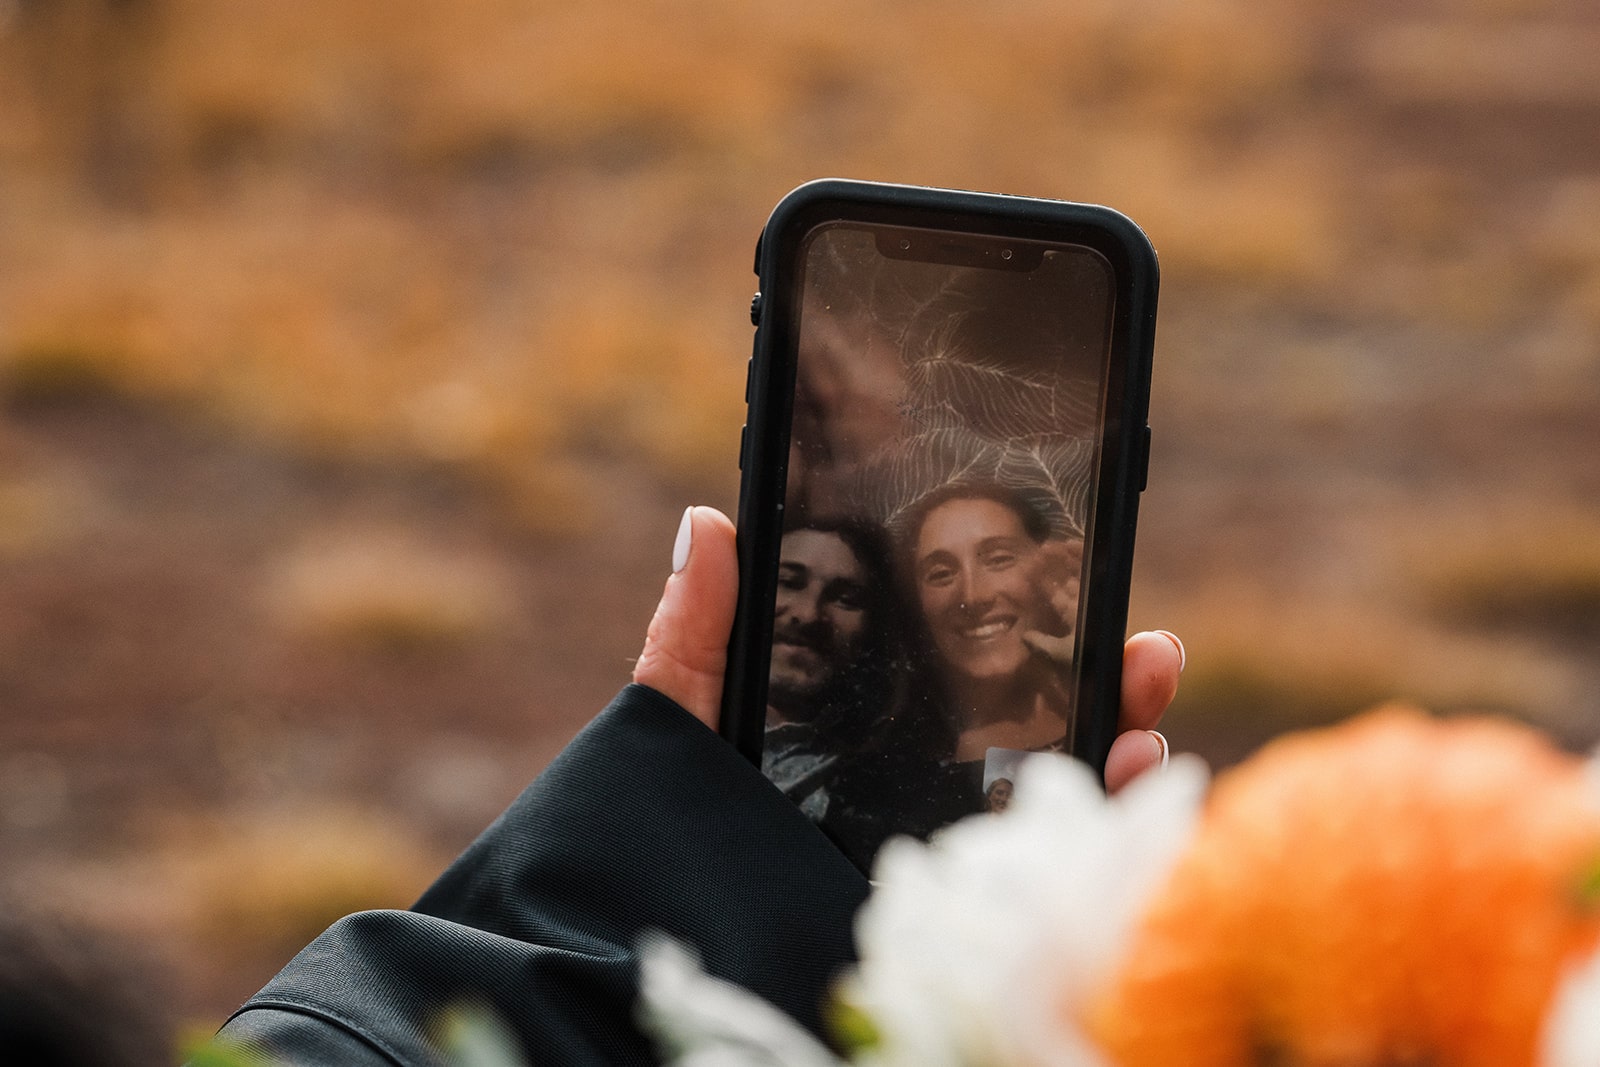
797 690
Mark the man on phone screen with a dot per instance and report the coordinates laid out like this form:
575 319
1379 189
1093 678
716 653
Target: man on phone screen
829 682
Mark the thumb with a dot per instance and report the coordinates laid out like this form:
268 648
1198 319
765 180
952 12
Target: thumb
686 647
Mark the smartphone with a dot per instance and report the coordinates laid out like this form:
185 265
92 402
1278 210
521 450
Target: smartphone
941 470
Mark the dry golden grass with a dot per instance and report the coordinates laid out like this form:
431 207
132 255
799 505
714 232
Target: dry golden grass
1523 60
1255 664
268 208
387 590
1267 656
247 885
33 514
1540 575
513 237
271 886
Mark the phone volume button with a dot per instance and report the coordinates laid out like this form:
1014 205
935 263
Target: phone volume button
1144 461
744 443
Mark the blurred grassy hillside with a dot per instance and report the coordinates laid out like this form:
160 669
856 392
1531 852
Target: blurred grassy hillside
357 357
476 230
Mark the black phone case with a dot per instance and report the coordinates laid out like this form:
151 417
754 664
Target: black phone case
764 445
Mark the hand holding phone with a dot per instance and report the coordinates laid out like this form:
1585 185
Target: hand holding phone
685 651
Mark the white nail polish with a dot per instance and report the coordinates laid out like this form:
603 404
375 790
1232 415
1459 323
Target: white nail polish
680 548
1183 657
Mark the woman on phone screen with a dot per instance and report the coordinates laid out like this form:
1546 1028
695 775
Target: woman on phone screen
999 600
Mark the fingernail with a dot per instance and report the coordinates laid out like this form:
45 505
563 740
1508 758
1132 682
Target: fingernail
680 548
1183 657
1162 740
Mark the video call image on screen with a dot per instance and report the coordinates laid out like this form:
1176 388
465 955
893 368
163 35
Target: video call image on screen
947 420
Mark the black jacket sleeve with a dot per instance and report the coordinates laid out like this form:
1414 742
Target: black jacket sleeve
647 821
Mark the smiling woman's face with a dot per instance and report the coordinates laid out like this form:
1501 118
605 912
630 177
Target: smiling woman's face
975 573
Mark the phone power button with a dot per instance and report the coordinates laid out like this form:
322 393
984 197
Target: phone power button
744 444
755 310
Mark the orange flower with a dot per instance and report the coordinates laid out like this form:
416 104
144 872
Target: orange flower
1393 891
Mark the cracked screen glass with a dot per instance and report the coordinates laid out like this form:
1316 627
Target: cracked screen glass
947 421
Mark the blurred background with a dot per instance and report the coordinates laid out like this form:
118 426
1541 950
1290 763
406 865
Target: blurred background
358 357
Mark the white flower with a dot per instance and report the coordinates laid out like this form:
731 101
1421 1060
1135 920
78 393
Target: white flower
977 948
980 947
705 1022
1572 1024
1572 1027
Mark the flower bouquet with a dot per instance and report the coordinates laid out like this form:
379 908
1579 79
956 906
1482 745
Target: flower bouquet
1397 890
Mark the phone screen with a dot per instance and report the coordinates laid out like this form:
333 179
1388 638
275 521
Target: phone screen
947 422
